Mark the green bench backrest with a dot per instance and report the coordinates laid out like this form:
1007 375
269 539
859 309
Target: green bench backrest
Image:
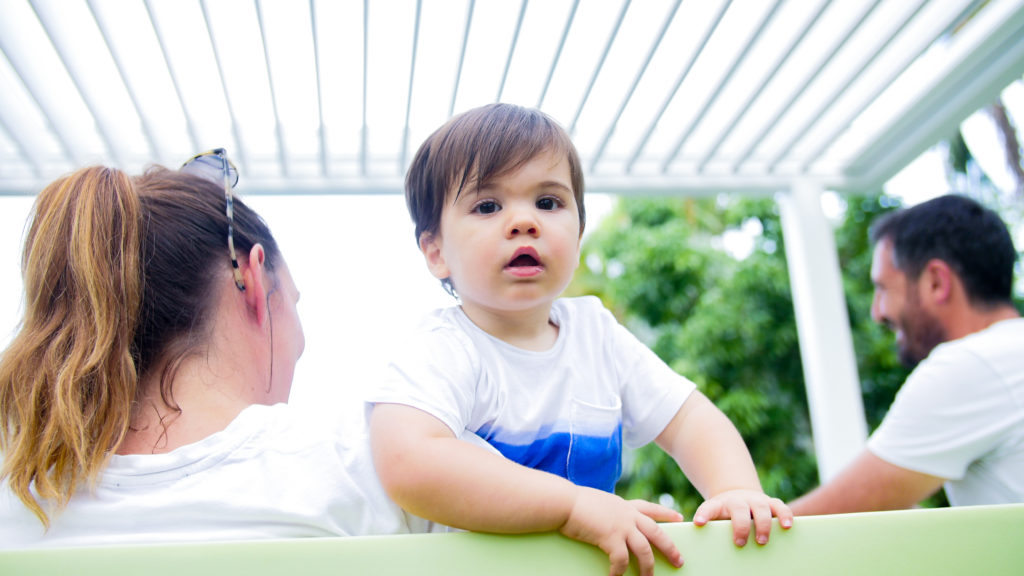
968 540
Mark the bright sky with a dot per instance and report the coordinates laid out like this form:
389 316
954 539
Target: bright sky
364 283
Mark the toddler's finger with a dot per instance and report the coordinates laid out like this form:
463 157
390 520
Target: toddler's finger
658 538
618 556
708 510
762 514
782 512
656 512
641 548
740 514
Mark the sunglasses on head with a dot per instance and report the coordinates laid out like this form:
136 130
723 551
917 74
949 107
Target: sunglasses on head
214 165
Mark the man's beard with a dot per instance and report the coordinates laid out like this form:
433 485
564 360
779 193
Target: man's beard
922 332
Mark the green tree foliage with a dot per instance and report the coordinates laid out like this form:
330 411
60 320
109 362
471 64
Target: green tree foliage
878 365
728 324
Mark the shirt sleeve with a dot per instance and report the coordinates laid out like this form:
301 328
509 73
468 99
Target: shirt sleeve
950 411
652 393
434 371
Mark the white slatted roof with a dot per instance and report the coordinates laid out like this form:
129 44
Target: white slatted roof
660 95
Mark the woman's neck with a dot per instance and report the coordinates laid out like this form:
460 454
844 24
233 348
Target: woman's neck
199 404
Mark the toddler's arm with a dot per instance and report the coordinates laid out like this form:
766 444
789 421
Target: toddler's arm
430 473
712 454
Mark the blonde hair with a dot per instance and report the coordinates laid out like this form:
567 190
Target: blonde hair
121 278
68 379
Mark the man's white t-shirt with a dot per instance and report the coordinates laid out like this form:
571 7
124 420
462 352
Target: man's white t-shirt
566 410
272 473
960 416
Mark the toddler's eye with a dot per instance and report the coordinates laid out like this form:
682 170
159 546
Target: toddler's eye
547 204
487 207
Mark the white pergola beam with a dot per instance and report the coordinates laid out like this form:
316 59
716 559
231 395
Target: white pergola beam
826 343
991 61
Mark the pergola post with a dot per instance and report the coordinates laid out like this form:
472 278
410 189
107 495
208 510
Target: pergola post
823 326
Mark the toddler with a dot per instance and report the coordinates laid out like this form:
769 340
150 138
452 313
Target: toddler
553 385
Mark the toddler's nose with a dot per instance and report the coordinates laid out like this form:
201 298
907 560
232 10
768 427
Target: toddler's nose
522 222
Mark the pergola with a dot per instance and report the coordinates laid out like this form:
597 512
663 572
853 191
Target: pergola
783 97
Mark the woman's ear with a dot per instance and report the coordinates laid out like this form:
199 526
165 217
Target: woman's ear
430 245
255 284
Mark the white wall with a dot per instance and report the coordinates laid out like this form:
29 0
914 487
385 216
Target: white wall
13 214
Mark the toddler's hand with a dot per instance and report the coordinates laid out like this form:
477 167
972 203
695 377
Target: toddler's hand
742 506
619 527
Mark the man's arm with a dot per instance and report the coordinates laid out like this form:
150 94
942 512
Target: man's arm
432 474
713 456
868 483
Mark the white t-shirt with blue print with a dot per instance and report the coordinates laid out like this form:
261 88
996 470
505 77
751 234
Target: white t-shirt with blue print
566 410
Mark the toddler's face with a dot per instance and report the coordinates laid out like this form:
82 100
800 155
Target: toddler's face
513 245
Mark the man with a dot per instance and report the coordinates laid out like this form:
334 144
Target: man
943 275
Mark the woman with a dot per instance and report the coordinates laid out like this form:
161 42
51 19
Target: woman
142 399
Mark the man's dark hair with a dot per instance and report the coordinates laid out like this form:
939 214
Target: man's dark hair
971 239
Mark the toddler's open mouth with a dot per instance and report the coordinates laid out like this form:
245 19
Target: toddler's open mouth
524 258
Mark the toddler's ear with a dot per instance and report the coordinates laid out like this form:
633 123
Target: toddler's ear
430 245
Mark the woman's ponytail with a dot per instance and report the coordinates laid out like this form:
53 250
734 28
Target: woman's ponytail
69 378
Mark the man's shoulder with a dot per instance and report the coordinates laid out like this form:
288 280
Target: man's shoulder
1000 338
986 358
1003 328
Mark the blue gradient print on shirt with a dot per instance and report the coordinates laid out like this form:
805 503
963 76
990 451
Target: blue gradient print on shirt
593 461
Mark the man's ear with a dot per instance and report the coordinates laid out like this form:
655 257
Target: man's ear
255 284
430 245
938 280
